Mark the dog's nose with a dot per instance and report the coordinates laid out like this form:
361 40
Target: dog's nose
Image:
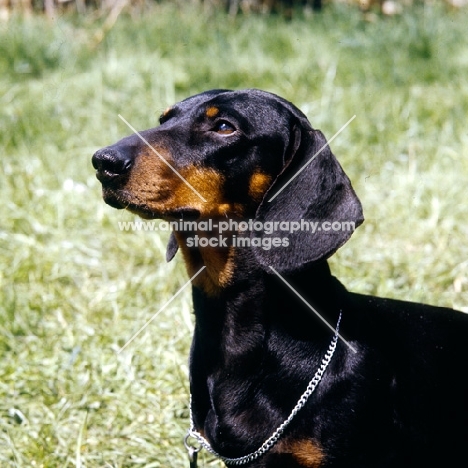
110 164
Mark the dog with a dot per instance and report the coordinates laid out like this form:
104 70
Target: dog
288 369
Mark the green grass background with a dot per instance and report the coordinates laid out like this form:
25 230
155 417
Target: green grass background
74 288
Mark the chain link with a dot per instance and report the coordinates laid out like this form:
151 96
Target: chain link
268 444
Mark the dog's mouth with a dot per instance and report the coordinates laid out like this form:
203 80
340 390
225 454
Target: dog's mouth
113 199
186 214
121 200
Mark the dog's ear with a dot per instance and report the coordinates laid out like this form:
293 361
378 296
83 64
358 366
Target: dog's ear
313 197
172 248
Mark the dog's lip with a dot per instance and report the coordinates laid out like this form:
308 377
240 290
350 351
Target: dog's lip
113 199
121 200
186 214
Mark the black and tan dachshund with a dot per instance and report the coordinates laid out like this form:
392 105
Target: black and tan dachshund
272 384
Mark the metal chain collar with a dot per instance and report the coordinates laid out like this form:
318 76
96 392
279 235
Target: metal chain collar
268 444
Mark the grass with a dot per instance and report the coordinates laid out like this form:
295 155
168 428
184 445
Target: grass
74 288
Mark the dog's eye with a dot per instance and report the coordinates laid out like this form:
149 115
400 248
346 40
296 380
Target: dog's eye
224 128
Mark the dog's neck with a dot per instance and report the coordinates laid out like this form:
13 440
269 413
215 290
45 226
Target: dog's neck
218 263
235 334
260 297
227 266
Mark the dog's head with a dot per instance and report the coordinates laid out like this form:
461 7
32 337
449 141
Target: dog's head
240 155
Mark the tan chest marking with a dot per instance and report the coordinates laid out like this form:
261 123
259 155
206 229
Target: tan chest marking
306 452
